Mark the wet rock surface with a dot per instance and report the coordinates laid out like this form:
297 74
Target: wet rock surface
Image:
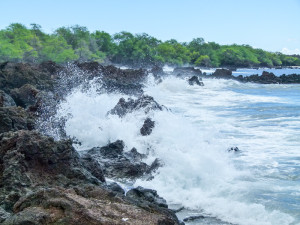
82 205
116 163
127 81
147 127
222 73
195 80
148 195
145 103
157 71
45 182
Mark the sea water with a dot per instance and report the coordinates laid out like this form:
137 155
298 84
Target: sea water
260 184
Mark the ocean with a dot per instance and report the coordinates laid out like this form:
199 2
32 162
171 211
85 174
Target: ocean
259 184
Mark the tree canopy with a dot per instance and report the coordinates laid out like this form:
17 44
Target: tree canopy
21 44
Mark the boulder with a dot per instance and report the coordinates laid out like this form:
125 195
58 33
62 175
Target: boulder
116 188
195 80
222 73
233 149
157 71
128 81
142 194
147 127
145 103
118 164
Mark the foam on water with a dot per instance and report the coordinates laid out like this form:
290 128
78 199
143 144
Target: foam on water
192 140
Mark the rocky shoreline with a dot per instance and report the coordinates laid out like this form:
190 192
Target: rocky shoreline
46 181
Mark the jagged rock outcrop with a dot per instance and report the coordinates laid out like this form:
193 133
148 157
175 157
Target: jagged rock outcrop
157 71
145 103
25 96
128 81
29 160
15 118
147 127
148 195
222 73
87 205
116 163
195 80
15 75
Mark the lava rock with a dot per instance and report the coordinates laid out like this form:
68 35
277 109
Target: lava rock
15 75
193 218
92 165
134 155
29 159
157 71
15 118
147 127
115 188
25 96
119 164
145 102
87 205
50 67
222 73
128 81
3 215
233 149
195 80
148 195
6 100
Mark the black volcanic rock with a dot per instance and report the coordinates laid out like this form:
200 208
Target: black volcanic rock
157 71
128 81
195 80
15 118
25 96
145 103
15 75
148 195
6 100
222 73
147 127
28 160
119 164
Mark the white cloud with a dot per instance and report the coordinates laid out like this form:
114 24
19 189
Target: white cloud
291 51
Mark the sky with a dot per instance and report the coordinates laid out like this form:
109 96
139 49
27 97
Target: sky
272 25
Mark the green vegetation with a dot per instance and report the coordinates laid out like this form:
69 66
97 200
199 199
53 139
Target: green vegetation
21 44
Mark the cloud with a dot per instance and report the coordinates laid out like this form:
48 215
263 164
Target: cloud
291 51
